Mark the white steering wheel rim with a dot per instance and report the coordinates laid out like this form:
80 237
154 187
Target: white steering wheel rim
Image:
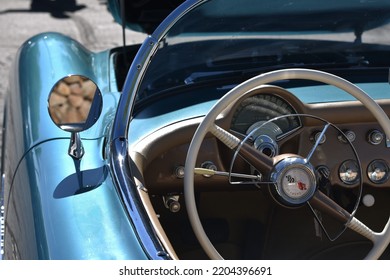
381 240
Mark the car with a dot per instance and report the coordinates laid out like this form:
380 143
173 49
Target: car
250 130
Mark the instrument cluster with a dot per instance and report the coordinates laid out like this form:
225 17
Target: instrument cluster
252 119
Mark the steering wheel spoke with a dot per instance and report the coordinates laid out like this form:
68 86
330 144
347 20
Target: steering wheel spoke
318 141
258 160
322 202
362 229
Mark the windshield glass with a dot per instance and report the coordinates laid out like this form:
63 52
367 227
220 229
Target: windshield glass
227 40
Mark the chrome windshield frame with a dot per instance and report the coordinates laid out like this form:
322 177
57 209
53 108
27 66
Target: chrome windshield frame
118 155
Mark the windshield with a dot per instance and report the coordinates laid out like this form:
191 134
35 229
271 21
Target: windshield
227 40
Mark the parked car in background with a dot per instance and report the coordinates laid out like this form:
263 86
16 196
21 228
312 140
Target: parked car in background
238 130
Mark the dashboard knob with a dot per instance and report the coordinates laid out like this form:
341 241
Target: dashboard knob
349 134
172 203
375 137
179 172
316 135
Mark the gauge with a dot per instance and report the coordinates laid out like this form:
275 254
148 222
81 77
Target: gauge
378 171
261 108
349 172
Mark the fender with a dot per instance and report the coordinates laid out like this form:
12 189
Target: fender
51 212
71 209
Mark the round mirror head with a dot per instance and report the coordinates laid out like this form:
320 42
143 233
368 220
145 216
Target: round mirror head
75 103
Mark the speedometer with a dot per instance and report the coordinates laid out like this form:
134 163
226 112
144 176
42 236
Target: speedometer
263 107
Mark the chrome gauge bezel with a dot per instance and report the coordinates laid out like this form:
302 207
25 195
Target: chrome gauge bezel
349 168
372 171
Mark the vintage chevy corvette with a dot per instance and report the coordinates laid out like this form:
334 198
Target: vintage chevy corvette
251 129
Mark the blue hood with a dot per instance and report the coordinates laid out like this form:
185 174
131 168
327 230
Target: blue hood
146 15
142 15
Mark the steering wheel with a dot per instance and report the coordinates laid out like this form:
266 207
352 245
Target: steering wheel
279 166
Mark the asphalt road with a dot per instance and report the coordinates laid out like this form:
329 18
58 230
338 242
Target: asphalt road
87 21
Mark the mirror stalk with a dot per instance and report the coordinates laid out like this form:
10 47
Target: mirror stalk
76 148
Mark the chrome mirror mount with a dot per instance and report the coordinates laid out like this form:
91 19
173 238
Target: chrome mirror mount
75 103
76 148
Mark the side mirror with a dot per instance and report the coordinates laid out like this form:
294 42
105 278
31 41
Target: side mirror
75 104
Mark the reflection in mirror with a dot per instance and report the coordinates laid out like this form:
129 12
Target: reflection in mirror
75 103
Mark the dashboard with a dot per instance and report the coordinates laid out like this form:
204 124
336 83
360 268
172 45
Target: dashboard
353 152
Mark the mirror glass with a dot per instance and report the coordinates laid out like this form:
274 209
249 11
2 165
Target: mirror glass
75 103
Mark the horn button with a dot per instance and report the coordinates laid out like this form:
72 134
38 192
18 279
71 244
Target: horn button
294 180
